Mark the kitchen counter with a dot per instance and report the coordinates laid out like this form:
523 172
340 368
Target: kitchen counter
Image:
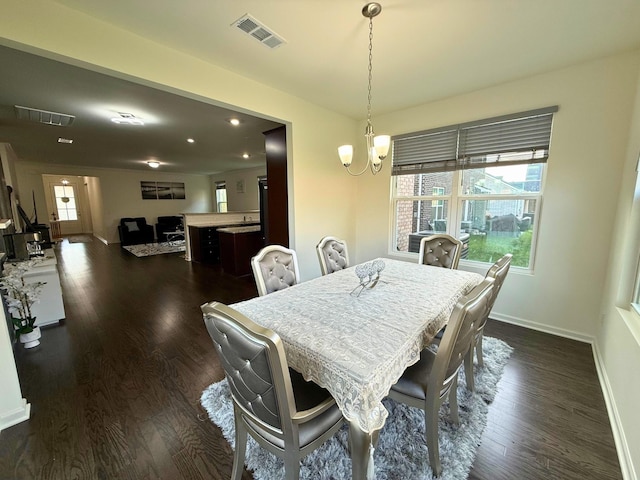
243 229
203 240
201 233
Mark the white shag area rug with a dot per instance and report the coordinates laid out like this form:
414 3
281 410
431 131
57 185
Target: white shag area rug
147 249
402 452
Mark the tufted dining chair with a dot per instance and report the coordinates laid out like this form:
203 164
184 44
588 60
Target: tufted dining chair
285 414
274 268
440 250
434 378
333 255
498 272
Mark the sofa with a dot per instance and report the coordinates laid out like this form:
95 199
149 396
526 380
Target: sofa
134 231
168 224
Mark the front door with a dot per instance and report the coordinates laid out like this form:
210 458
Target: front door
66 207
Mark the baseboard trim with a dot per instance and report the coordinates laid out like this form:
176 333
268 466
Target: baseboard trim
16 416
541 327
622 447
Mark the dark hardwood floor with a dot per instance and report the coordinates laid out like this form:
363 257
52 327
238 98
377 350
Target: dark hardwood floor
115 388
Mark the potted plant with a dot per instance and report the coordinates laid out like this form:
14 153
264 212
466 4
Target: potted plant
20 297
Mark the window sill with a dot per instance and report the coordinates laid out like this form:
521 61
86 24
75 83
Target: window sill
470 265
631 317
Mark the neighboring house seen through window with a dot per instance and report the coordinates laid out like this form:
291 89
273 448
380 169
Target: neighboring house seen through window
481 182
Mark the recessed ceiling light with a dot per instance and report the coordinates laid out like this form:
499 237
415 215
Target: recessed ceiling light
64 140
127 119
191 140
153 164
245 155
235 122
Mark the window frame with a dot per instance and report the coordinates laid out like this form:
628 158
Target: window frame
635 301
66 209
454 215
219 187
522 138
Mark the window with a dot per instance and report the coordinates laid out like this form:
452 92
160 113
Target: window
65 202
481 182
221 197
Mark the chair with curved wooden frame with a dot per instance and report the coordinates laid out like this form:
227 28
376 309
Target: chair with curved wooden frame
434 378
286 415
275 267
333 255
440 250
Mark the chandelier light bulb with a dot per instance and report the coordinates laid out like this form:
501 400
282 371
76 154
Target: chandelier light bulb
381 143
346 154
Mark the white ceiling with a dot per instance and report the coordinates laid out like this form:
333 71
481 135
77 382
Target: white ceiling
423 50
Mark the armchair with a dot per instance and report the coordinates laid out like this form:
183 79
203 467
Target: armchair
167 224
133 231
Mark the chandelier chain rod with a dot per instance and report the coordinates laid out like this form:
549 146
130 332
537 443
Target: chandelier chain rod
370 69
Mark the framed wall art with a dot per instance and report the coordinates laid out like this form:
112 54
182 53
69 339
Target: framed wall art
162 190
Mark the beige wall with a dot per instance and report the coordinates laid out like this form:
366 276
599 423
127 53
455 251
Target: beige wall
618 342
563 293
96 207
588 154
321 196
120 194
589 158
239 201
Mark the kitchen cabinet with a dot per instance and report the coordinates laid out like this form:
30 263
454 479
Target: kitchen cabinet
204 244
205 241
237 246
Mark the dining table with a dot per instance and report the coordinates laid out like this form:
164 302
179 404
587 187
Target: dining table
356 336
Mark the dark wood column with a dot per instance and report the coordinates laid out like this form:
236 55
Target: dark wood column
277 211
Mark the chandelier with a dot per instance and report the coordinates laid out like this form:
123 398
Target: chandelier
377 145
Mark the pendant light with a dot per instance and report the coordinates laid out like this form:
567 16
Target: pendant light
377 146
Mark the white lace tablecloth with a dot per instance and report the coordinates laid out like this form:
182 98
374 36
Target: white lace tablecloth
358 346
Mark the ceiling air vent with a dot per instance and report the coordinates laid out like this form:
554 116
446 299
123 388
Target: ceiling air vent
253 27
43 116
